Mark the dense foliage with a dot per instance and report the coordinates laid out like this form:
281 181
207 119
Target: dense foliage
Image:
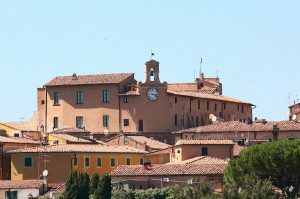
200 190
261 166
79 186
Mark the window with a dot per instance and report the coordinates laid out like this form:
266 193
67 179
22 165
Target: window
105 96
55 142
224 105
216 107
178 151
204 151
28 162
126 122
207 104
56 98
75 161
175 100
242 108
175 121
125 99
105 120
128 161
141 161
86 162
99 162
141 125
55 122
43 102
11 194
16 135
197 121
112 162
182 120
238 107
126 142
198 104
79 97
79 121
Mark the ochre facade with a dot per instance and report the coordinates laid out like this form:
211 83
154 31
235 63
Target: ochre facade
59 165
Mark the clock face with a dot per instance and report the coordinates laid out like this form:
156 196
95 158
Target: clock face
152 94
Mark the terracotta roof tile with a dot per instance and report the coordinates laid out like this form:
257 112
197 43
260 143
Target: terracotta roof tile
169 169
203 160
154 144
237 149
235 126
79 148
20 184
204 142
19 140
161 151
204 95
70 138
70 130
89 79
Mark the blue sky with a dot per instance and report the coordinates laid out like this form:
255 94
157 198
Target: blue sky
254 45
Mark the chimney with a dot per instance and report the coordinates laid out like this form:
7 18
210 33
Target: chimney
202 76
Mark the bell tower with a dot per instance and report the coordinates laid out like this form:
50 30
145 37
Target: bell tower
152 73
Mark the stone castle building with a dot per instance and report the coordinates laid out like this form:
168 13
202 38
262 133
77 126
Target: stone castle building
108 104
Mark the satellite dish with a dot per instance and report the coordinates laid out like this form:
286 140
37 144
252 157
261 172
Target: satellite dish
214 118
45 173
294 117
211 116
106 132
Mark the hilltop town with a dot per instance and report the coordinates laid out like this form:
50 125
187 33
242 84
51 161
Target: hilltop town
142 134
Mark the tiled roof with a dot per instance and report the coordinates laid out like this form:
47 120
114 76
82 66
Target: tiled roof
130 93
154 144
55 188
71 130
237 149
19 140
161 151
29 125
89 79
235 126
21 184
69 138
79 148
204 142
169 169
206 96
203 160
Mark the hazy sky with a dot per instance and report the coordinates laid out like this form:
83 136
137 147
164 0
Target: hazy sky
254 46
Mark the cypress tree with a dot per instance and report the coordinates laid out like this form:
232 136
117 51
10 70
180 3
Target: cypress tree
94 183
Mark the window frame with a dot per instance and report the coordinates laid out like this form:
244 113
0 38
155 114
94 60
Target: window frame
113 166
75 160
99 158
204 151
31 160
105 121
56 98
84 162
105 98
127 160
141 161
79 118
126 99
126 123
55 122
79 97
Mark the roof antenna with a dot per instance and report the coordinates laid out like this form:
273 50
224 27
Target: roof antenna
200 67
152 54
217 72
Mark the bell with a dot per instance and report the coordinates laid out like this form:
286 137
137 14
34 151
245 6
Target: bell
152 73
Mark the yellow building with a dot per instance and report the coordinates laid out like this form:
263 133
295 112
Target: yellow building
59 160
22 128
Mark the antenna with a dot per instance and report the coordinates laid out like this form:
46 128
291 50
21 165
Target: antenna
200 67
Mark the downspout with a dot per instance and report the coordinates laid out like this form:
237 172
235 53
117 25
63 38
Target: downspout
120 113
46 111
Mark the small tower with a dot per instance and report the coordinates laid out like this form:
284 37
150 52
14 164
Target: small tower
152 73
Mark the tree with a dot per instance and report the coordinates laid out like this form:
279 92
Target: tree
276 162
94 183
104 187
